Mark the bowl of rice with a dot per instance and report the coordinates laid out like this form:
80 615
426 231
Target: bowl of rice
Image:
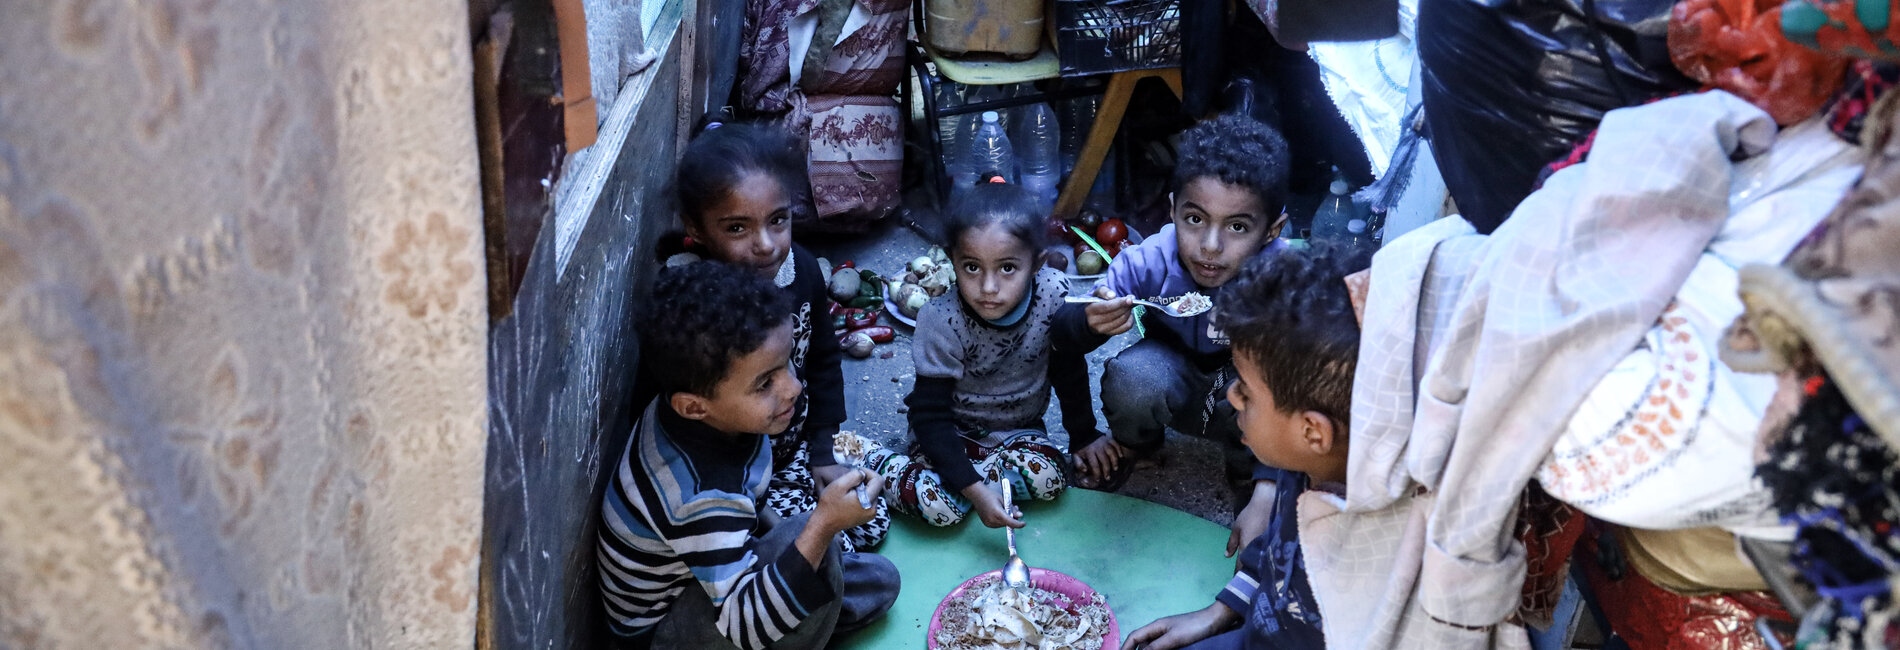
1056 611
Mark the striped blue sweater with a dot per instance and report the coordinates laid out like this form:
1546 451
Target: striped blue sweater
680 511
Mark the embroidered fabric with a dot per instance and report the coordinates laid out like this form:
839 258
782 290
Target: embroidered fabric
1834 477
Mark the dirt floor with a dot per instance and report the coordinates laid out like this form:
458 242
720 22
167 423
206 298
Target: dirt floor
1186 475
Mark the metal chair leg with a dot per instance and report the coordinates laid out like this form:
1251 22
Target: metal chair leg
932 134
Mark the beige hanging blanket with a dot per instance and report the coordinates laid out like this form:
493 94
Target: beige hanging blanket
242 326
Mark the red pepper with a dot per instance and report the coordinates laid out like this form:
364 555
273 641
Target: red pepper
842 322
861 319
848 264
837 308
879 333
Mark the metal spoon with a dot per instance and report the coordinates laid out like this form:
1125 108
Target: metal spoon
1166 308
1015 573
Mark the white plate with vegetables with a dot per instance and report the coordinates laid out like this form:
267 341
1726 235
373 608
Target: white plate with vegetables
926 277
891 309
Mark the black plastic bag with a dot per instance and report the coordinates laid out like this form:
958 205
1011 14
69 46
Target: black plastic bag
1511 85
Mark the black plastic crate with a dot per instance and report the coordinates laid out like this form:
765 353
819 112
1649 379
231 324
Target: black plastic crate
1100 36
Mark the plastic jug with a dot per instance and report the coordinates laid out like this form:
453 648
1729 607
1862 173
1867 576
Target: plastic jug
1012 28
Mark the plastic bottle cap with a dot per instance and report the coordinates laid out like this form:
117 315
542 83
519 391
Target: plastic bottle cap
1338 187
1356 226
990 117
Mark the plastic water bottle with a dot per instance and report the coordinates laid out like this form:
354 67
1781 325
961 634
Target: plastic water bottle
1339 219
1004 116
956 151
949 95
990 151
1078 116
1039 162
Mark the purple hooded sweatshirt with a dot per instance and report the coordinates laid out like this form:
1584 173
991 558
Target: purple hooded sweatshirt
1153 269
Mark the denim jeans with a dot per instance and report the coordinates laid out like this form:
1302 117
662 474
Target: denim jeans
1151 387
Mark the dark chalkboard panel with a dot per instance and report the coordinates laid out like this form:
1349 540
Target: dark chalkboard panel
560 385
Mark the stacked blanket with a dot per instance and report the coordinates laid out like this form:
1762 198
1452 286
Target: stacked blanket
1478 353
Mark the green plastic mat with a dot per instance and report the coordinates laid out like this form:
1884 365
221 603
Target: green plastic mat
1149 560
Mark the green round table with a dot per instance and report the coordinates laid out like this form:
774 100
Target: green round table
1149 560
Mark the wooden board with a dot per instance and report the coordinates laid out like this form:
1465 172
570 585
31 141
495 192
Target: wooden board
1149 560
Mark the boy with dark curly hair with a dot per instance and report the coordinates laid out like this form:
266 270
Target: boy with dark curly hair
688 556
1296 344
1229 191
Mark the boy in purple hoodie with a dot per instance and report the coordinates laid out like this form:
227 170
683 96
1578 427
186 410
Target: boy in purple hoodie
1229 189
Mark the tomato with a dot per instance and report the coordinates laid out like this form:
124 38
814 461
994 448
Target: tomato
1110 233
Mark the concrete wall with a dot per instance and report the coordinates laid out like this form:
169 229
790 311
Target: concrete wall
561 367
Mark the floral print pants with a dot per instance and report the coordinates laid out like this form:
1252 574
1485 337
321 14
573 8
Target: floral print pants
1026 458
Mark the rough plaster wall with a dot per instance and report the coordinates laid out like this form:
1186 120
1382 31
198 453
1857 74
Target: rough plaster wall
242 394
561 375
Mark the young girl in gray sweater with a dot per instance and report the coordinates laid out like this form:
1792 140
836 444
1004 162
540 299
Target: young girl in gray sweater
987 357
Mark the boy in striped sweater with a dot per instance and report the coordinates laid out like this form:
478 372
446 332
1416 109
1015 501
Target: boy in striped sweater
688 557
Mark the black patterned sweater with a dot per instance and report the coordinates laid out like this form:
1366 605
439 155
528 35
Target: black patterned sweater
817 360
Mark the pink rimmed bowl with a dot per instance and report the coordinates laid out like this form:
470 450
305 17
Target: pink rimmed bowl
1044 579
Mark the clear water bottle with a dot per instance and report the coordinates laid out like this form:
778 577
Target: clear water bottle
950 94
1339 218
1004 116
956 153
1078 116
1039 156
991 151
